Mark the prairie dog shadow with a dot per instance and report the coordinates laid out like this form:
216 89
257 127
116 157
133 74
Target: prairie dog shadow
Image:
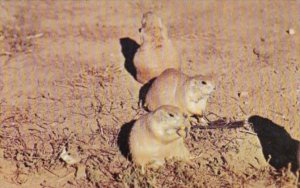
144 90
276 143
123 139
129 48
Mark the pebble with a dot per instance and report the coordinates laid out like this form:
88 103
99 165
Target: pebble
243 94
291 31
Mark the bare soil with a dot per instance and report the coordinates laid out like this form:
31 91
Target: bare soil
66 82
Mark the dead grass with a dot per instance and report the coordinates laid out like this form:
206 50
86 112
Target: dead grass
20 31
34 148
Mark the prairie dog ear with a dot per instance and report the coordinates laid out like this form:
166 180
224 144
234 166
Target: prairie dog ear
165 114
193 83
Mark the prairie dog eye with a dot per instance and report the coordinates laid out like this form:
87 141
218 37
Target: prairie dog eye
203 82
171 115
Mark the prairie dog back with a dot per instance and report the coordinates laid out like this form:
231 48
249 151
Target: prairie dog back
173 87
163 91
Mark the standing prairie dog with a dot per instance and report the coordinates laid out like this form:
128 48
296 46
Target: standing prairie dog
157 136
156 52
172 87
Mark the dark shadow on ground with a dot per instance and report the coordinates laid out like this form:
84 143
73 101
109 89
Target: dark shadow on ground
129 48
144 90
123 139
276 143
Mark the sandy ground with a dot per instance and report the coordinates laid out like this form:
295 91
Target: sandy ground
66 82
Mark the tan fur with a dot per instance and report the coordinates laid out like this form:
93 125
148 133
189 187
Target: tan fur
156 52
172 87
157 136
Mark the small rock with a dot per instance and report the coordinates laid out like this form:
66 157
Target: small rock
246 102
69 159
291 31
243 94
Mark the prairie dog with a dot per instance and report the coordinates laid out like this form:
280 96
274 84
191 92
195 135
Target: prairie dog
157 136
172 87
156 52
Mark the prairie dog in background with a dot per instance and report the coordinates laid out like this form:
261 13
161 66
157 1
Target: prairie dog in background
157 52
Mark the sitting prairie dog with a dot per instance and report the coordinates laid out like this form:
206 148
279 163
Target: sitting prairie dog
173 87
157 136
156 52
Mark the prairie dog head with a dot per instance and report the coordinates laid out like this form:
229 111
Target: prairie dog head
198 89
152 29
167 124
201 85
151 20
